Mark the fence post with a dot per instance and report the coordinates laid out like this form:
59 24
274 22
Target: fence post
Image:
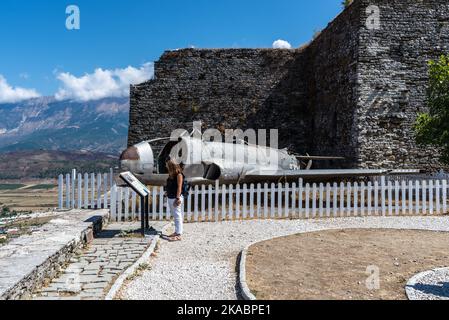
362 199
223 202
444 196
133 203
431 197
307 200
251 201
403 196
105 195
293 215
126 203
209 202
99 184
73 188
348 199
113 211
258 199
272 200
356 199
417 197
410 197
382 196
342 199
265 200
245 194
328 200
68 192
195 203
279 197
217 193
438 197
237 201
92 190
60 190
376 198
203 203
286 199
370 193
161 203
230 202
300 191
154 199
119 206
80 191
335 200
396 197
314 194
424 197
86 191
320 202
390 198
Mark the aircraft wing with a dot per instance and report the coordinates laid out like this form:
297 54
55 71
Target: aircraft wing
314 174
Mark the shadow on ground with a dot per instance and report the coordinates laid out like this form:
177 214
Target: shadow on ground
441 290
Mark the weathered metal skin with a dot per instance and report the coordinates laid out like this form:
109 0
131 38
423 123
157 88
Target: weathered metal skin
229 163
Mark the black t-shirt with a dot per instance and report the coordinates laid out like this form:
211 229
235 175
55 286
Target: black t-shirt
172 187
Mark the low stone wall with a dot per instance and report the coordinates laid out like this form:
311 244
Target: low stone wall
27 262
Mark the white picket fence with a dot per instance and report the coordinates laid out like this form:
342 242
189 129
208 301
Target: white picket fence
294 201
85 191
260 201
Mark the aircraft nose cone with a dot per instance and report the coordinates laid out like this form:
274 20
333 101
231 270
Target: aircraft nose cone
129 155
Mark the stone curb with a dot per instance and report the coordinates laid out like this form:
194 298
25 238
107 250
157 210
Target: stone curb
118 284
415 279
244 289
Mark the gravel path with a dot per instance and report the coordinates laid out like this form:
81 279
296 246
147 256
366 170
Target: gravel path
430 285
202 266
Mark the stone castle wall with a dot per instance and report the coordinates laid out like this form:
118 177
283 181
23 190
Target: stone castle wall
351 92
392 80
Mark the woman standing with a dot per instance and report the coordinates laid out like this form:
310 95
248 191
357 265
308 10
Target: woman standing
175 198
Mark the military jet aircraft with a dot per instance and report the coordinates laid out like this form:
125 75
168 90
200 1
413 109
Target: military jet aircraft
231 163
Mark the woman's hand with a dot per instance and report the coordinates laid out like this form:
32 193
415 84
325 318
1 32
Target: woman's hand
178 202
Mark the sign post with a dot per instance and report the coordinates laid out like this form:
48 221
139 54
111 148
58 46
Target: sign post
143 193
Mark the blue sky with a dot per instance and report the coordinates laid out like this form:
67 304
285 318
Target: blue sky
36 47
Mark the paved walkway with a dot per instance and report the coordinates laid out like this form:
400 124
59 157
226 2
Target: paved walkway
27 260
92 271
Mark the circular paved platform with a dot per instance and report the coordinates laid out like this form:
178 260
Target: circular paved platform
429 285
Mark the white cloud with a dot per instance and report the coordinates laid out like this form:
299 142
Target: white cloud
102 83
281 44
9 94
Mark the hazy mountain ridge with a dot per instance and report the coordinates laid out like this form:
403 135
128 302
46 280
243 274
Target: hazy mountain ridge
49 164
48 124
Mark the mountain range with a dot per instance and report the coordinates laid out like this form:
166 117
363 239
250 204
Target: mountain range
48 124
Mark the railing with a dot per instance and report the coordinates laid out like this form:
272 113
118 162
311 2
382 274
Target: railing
294 201
85 191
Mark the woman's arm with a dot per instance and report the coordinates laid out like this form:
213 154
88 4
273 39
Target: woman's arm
180 181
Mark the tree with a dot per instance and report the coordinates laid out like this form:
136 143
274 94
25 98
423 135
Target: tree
432 128
346 3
